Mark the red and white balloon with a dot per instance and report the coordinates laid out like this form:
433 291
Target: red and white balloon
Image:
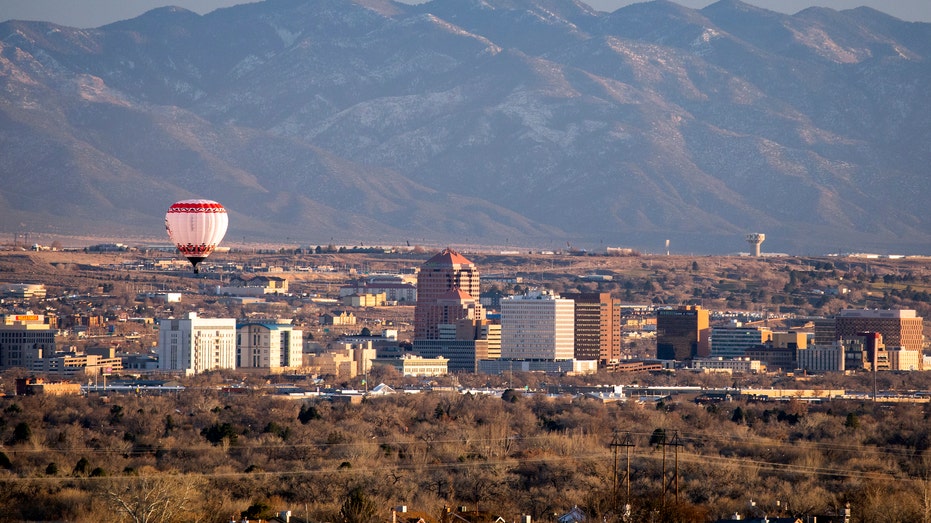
196 227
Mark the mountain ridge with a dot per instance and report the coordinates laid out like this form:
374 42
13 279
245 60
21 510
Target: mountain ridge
530 121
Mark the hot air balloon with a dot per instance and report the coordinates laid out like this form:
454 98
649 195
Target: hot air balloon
196 227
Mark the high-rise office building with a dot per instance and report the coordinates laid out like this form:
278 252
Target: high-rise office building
463 344
25 339
538 325
447 271
269 344
682 333
595 327
732 340
448 314
194 345
899 328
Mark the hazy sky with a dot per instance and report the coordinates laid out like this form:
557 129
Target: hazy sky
94 13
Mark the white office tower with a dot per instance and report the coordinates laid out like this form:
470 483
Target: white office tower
538 325
194 345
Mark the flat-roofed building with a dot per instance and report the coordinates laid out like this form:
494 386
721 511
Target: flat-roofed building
731 341
596 327
463 344
269 344
344 361
537 325
394 291
29 386
410 365
790 339
775 358
24 291
824 332
819 358
77 365
25 338
899 328
194 345
682 333
727 364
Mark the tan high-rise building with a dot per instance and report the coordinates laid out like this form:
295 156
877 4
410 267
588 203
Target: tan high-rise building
899 328
595 327
447 271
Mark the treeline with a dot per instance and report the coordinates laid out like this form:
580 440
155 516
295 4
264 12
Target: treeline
203 455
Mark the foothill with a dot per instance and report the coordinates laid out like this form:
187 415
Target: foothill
365 384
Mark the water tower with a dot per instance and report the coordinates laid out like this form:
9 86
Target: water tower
755 239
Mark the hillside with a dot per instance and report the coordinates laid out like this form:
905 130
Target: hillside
518 122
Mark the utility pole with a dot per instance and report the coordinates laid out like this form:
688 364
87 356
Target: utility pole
676 444
615 444
664 468
628 444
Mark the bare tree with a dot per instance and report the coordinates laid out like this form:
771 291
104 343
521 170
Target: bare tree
153 499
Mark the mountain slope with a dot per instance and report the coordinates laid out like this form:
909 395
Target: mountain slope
482 121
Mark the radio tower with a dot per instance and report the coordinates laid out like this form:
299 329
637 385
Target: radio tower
755 239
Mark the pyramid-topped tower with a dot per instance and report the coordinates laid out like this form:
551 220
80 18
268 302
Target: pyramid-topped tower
445 272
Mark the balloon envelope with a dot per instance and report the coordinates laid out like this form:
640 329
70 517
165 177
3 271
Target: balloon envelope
196 227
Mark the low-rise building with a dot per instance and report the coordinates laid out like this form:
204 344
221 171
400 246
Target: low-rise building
364 300
410 365
77 365
338 318
728 364
570 366
29 386
344 361
23 291
255 286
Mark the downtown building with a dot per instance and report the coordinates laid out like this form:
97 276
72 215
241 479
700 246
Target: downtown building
449 320
25 339
732 340
445 272
682 333
193 345
538 334
269 345
901 329
597 327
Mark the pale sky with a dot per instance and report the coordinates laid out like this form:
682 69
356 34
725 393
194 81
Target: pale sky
94 13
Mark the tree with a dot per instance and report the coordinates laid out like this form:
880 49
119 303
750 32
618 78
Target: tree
658 438
852 422
21 433
738 417
217 432
153 499
357 508
308 413
81 468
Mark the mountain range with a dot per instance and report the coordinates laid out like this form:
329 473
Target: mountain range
502 122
